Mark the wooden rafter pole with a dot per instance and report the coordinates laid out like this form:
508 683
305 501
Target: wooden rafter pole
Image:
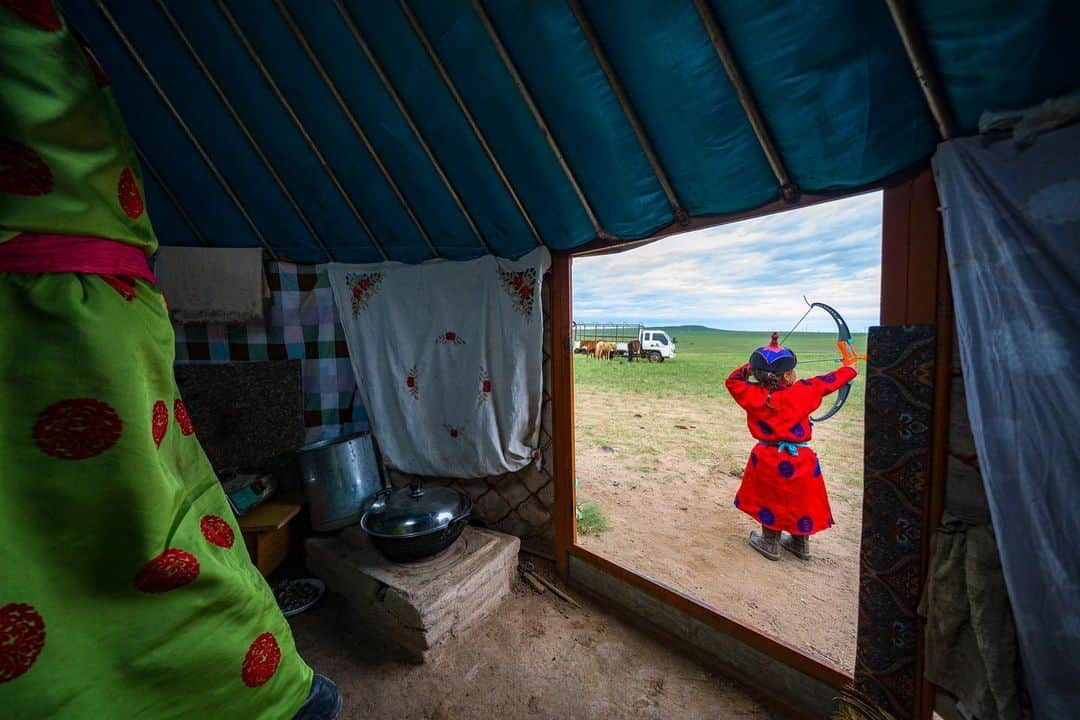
388 85
628 110
347 111
167 14
436 61
163 96
287 106
918 53
526 95
181 211
788 189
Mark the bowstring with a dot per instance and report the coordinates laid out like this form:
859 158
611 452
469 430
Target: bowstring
796 325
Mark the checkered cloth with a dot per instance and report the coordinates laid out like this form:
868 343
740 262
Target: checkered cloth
302 325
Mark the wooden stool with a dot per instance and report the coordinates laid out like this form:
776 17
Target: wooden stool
266 533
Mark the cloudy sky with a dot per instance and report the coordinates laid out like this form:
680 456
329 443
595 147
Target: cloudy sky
750 275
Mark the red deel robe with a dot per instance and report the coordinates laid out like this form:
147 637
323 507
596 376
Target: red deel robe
779 490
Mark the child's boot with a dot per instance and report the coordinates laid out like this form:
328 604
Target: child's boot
797 545
767 542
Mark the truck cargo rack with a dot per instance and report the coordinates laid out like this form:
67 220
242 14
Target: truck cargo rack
608 332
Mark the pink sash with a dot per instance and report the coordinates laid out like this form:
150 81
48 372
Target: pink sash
33 253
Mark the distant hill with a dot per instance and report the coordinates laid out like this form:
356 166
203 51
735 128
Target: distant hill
705 330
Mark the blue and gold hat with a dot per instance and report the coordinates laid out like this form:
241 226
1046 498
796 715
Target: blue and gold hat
773 357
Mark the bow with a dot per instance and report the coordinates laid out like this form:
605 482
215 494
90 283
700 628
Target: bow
848 356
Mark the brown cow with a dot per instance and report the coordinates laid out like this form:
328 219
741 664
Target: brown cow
589 346
604 350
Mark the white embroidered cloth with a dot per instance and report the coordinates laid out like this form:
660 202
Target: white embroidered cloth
449 359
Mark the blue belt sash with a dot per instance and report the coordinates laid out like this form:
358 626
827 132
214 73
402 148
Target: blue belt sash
791 448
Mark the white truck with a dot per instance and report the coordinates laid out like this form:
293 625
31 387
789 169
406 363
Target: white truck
653 344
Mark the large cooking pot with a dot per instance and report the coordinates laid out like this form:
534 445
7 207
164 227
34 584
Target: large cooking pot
415 522
340 477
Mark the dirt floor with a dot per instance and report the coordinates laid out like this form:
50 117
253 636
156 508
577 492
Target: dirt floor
537 657
663 477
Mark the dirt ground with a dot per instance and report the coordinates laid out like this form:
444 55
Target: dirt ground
664 476
537 657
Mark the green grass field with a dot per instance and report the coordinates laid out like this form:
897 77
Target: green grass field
704 359
694 379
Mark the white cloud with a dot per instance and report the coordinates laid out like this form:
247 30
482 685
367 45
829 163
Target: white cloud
748 275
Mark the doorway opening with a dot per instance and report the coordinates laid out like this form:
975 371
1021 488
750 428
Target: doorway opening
661 446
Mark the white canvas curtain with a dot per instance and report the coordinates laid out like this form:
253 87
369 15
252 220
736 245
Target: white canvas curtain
449 359
1012 230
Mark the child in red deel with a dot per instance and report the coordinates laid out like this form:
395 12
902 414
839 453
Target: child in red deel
782 486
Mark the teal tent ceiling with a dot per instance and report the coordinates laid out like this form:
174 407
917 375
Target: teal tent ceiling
362 130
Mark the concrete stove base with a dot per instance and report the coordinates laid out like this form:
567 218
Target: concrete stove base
415 606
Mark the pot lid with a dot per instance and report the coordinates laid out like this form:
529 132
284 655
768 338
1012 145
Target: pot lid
415 510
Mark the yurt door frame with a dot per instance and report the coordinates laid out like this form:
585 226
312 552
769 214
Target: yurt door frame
914 290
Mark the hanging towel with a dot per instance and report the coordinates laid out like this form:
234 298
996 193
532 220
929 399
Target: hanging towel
212 284
449 360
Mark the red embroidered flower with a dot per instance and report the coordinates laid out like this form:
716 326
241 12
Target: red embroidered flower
454 432
410 381
77 429
217 530
22 636
159 421
261 661
182 418
449 337
363 288
124 286
23 171
486 386
127 192
100 78
521 286
39 12
172 569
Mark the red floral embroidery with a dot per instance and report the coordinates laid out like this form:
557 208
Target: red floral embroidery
159 421
100 78
363 288
521 285
411 383
450 337
485 386
22 636
124 286
39 12
127 191
77 429
217 530
261 661
182 418
172 569
23 171
455 432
